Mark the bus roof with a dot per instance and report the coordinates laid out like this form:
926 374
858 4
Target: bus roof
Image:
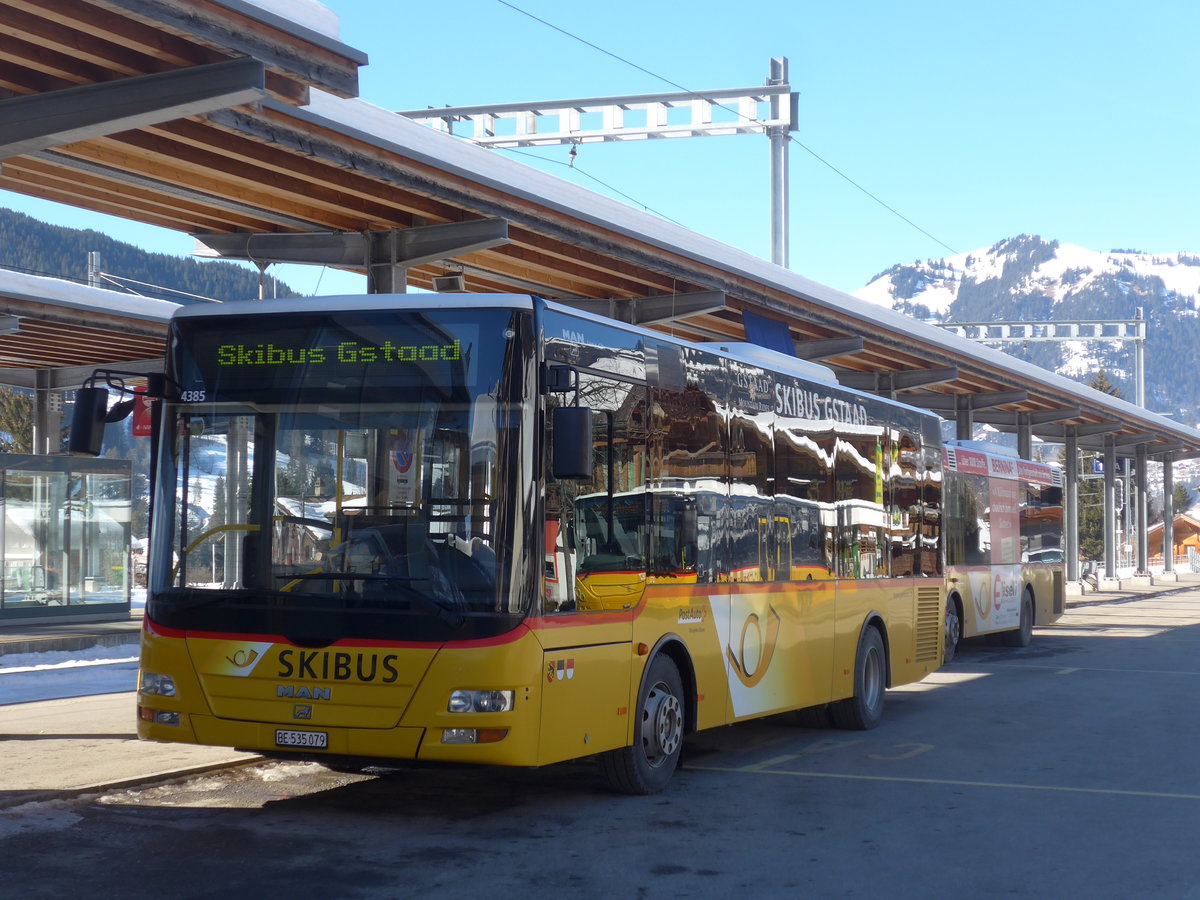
753 354
344 302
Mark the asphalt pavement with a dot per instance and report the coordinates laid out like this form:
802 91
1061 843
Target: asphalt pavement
64 748
54 749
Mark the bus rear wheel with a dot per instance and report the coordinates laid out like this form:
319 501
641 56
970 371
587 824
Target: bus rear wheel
953 630
1023 636
647 766
864 710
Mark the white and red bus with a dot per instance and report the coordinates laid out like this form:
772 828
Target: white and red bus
1003 534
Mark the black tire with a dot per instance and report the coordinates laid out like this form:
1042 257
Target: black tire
953 631
864 710
647 766
1023 636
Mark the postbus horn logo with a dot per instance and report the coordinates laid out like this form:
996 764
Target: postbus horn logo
765 645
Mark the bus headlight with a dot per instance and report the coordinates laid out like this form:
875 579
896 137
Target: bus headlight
463 701
162 685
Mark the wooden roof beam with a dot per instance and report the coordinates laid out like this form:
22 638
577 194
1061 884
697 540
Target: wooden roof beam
1059 433
649 311
890 382
42 69
168 189
1119 441
1010 420
956 402
88 188
243 29
110 36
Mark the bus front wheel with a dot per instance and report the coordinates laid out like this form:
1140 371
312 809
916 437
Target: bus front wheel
864 710
647 766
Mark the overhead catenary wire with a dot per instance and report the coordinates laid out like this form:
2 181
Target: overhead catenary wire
686 90
574 165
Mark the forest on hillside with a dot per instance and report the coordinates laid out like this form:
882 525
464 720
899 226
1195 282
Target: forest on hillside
37 248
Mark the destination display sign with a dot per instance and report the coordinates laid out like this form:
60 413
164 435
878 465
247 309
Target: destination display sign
332 358
344 353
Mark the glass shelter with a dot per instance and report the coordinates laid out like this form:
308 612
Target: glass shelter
64 537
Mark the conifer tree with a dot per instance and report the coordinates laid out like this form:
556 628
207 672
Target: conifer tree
1091 490
16 421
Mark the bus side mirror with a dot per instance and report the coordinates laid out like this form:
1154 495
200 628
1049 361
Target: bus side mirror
87 421
91 412
572 447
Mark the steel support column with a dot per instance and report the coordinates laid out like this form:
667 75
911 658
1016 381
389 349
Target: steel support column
964 424
1110 508
1071 503
1168 464
779 169
1024 435
47 415
1142 507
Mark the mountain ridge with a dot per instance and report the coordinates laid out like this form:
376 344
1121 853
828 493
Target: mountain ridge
1029 278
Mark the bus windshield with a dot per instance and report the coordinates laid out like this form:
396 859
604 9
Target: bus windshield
355 476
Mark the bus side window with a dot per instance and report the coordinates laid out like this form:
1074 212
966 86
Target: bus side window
596 528
751 478
674 524
906 514
933 510
861 497
685 443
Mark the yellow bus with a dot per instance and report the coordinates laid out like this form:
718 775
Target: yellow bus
494 529
1004 544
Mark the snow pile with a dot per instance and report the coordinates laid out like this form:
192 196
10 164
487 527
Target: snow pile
54 674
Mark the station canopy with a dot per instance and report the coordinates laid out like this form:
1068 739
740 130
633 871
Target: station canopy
239 122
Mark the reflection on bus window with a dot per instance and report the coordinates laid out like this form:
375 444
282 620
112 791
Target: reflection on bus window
596 531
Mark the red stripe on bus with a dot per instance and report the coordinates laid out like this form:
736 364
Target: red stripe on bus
498 640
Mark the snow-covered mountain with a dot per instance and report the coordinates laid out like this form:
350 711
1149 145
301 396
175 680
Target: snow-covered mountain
1032 279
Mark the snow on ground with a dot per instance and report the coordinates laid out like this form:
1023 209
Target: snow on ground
26 677
54 674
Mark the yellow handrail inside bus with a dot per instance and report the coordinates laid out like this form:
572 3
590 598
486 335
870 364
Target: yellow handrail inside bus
204 537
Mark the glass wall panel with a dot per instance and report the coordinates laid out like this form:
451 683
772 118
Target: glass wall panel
65 542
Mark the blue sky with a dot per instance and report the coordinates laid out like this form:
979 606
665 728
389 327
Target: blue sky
1076 121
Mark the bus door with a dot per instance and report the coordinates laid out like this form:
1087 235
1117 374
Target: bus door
595 541
766 645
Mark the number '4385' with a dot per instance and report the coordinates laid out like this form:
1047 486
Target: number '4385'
193 396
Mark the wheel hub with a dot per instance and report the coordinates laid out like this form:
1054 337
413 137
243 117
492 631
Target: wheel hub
662 725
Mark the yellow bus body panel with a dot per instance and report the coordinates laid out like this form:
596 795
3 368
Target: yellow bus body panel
745 649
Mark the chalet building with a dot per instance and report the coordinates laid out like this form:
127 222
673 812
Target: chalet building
1187 535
